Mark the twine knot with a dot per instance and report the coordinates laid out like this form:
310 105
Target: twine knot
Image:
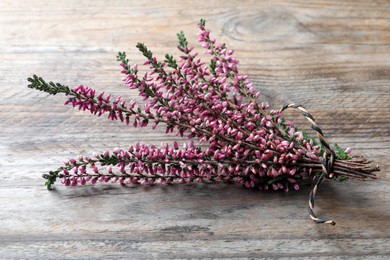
327 162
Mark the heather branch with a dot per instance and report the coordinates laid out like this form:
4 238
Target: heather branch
146 164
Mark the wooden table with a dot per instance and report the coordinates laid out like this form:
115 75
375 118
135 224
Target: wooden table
331 56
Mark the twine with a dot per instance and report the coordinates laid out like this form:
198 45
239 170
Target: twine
326 162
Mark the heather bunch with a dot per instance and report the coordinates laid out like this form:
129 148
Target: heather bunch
234 136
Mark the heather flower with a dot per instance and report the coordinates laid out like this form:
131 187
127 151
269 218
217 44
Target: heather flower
214 104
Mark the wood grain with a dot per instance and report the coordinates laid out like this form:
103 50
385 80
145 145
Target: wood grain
331 56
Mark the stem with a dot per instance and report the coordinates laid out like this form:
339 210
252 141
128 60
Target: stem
356 168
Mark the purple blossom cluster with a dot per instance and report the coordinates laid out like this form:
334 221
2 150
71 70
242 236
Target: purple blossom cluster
212 103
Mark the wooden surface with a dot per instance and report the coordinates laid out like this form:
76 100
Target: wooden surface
331 56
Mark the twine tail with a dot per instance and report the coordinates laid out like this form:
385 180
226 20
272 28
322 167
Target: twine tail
327 162
312 194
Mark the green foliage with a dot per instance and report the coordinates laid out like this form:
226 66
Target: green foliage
305 136
202 22
122 58
341 154
342 178
109 160
152 61
170 61
280 178
145 51
213 66
52 88
50 178
182 40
